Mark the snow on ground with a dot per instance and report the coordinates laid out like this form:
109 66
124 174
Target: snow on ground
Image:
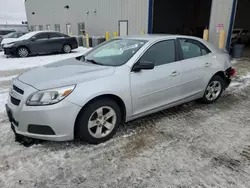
3 101
6 78
192 145
29 62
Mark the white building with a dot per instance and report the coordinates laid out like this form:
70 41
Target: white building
134 16
16 27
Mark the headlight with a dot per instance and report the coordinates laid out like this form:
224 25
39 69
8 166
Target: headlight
49 97
8 45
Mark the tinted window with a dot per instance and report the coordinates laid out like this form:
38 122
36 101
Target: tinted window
161 53
54 35
63 35
192 48
42 36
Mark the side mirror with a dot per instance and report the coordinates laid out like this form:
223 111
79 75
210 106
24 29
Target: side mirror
33 38
143 65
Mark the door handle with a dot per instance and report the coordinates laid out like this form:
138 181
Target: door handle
207 64
175 73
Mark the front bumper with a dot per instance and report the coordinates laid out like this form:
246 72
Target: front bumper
54 122
9 51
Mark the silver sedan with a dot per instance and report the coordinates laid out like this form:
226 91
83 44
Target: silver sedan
125 78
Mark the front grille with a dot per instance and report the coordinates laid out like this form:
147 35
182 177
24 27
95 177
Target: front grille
14 101
18 90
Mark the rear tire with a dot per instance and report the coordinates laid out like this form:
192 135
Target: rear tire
99 121
22 52
214 90
67 48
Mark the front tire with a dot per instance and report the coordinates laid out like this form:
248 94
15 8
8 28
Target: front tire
22 52
67 48
99 121
214 90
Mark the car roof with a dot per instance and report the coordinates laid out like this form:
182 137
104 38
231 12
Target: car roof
44 31
152 37
147 37
156 37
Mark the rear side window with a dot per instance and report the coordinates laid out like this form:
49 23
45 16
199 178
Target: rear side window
161 53
42 36
63 35
192 48
54 35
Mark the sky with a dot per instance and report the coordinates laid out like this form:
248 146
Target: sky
12 11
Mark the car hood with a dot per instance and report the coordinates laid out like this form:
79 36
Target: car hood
8 40
63 73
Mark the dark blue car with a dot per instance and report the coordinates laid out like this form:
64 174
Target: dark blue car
41 42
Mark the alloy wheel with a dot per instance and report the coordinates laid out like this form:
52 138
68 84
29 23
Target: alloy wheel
67 49
213 90
102 122
23 52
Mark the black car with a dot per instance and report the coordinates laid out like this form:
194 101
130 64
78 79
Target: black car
4 32
41 42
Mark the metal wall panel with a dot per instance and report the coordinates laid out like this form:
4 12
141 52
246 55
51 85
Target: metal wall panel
220 14
106 18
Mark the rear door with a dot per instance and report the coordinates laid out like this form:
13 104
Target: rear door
40 44
196 60
55 42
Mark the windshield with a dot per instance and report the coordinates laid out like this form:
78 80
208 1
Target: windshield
5 32
26 36
114 52
13 35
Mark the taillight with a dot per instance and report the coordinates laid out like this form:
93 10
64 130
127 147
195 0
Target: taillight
230 72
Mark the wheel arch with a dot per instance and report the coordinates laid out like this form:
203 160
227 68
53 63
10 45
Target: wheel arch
23 46
221 74
113 97
67 43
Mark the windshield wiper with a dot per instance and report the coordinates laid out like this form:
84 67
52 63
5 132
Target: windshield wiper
93 61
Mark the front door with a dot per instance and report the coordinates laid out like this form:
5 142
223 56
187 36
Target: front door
40 44
154 88
196 61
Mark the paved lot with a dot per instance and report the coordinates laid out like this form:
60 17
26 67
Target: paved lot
192 145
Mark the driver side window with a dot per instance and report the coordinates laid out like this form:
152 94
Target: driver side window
160 53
